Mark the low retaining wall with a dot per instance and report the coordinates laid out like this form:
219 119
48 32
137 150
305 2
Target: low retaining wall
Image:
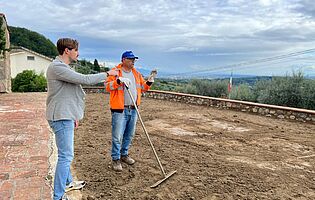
243 106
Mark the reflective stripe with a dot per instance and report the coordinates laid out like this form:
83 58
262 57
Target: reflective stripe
111 85
117 91
139 86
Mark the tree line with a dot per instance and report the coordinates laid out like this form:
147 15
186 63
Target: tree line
291 90
22 37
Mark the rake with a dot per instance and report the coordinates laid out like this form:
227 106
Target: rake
166 176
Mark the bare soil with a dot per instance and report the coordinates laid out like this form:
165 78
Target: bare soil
218 154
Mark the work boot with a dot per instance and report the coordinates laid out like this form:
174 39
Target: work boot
128 160
117 165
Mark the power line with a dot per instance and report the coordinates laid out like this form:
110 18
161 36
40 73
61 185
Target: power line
243 65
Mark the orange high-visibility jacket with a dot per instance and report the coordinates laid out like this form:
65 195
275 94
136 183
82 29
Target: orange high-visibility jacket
117 90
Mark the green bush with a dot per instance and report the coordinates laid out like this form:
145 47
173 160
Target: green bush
212 88
242 92
29 81
189 89
291 90
308 94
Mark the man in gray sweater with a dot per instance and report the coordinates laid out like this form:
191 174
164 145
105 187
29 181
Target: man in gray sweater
64 107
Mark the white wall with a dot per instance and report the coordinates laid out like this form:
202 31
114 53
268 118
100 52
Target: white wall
19 63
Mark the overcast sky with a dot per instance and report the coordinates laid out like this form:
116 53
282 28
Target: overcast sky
180 35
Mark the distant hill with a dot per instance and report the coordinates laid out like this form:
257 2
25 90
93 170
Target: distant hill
187 75
146 72
310 77
32 40
237 78
249 80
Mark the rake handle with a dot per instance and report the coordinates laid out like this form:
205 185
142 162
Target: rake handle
145 131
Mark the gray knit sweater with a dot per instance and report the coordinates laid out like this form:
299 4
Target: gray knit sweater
66 98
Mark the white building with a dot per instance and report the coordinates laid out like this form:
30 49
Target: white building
24 59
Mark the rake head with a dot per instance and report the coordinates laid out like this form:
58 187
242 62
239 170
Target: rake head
161 181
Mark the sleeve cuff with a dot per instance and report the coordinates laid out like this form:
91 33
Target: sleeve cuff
149 83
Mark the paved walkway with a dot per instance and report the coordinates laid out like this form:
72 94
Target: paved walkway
24 147
28 151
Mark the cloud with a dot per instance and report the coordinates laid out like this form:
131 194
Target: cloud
208 31
305 7
182 49
311 67
164 24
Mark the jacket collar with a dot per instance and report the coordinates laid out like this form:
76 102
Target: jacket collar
59 60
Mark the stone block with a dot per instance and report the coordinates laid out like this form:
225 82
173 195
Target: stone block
292 117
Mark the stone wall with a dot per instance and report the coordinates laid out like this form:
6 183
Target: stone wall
243 106
280 112
5 72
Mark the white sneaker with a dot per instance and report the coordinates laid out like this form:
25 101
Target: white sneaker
75 185
65 197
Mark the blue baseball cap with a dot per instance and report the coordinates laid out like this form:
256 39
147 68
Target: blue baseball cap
128 54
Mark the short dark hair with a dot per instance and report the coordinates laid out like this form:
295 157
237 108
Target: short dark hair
64 43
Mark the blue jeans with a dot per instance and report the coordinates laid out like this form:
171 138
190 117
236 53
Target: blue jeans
123 130
64 134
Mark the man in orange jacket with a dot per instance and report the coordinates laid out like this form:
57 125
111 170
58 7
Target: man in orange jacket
124 115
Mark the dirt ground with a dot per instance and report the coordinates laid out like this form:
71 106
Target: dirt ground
218 154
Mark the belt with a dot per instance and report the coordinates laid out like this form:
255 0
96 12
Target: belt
130 107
